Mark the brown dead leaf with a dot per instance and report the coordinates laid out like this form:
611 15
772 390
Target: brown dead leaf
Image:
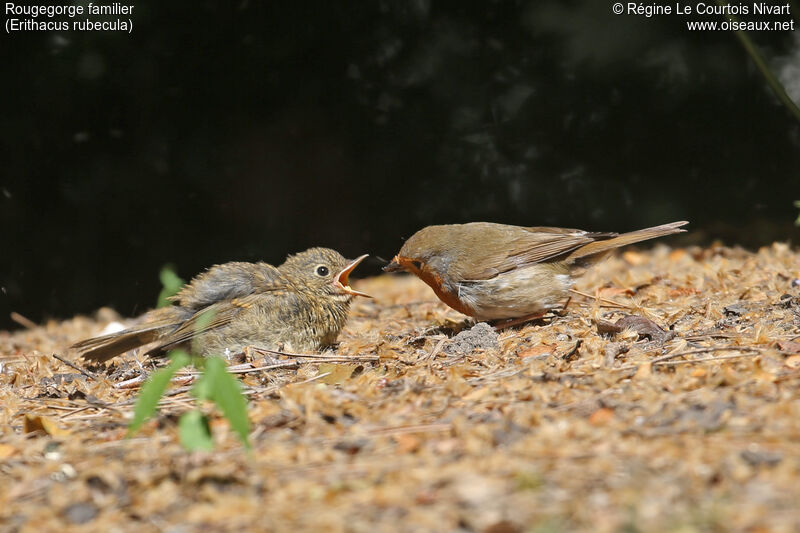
407 443
338 373
443 447
6 451
699 373
793 361
644 371
601 417
679 292
456 384
634 258
604 327
644 327
46 425
611 292
503 526
427 497
541 349
789 346
677 254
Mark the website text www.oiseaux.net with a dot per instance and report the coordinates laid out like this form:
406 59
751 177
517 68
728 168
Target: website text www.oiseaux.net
707 11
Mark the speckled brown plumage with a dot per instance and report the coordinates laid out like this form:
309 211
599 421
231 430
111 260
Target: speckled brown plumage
300 305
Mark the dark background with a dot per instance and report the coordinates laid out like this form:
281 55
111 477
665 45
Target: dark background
225 130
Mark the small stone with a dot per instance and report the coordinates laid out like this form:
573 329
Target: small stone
480 336
80 513
350 446
757 457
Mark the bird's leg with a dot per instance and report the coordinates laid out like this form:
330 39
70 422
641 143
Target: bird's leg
563 311
510 322
251 352
247 351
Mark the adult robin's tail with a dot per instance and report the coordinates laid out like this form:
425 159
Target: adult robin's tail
615 241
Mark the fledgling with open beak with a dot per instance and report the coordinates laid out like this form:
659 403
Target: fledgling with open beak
496 271
300 305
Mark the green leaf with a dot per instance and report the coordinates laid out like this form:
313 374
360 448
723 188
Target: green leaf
194 431
202 388
797 205
171 284
226 392
153 390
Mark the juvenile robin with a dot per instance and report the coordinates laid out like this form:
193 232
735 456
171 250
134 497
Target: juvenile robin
300 305
495 271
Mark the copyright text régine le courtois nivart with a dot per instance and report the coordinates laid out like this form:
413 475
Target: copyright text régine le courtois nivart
769 16
69 17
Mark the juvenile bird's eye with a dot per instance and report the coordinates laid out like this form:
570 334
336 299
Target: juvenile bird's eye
322 270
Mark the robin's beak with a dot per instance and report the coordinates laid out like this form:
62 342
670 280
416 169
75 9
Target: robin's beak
341 280
394 265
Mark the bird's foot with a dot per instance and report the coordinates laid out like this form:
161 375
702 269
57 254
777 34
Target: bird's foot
251 352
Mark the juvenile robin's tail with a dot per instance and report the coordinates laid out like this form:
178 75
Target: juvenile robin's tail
615 241
101 349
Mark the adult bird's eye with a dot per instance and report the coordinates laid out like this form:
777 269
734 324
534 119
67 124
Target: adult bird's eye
417 264
322 270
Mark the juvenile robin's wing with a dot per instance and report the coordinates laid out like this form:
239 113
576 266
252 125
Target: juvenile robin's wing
217 315
527 246
226 282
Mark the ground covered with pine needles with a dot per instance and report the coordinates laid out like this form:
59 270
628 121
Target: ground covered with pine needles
665 398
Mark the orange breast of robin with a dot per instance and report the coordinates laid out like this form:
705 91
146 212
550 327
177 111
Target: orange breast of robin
435 281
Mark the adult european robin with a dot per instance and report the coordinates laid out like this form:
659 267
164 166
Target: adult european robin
496 271
300 305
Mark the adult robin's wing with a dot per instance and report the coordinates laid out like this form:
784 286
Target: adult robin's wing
527 246
226 282
211 317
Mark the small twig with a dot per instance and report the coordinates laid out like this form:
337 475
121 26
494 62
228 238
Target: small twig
76 367
705 360
601 299
247 368
62 407
146 441
568 356
694 338
435 351
282 364
79 410
132 383
321 357
502 374
662 361
703 350
772 80
273 388
23 321
418 428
